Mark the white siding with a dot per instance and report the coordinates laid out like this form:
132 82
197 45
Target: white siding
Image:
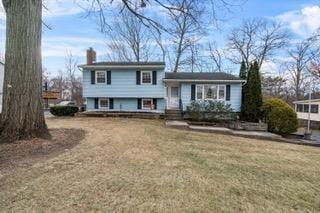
313 116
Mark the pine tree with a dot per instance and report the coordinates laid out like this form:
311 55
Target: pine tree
243 71
243 75
252 95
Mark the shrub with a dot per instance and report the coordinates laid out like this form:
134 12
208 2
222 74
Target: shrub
210 110
279 116
64 110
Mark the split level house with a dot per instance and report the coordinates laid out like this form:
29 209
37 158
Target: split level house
146 87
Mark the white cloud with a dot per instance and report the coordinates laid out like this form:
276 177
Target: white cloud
59 46
61 8
302 22
269 68
54 8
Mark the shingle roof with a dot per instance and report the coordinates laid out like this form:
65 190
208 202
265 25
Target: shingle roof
201 76
123 63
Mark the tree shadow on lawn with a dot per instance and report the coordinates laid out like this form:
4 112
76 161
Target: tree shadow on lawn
25 153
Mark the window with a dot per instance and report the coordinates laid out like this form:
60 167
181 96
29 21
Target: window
299 108
199 92
174 92
315 108
103 103
221 92
101 77
305 108
147 103
211 92
146 77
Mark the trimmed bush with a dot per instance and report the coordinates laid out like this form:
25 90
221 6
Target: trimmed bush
210 111
64 110
279 116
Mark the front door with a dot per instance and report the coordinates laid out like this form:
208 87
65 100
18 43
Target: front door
173 97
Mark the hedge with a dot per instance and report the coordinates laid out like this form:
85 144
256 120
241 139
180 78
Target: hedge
64 110
279 116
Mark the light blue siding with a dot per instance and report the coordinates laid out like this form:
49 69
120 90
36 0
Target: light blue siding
123 85
235 95
125 104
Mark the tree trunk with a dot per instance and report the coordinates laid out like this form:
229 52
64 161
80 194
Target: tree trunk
22 115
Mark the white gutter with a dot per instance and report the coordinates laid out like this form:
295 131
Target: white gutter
201 80
122 66
306 101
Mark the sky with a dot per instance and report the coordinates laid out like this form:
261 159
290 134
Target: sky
73 32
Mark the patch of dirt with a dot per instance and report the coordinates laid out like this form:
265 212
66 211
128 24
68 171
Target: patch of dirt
27 152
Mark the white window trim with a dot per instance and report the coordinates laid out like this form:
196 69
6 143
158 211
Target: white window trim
146 99
105 77
104 99
207 99
141 77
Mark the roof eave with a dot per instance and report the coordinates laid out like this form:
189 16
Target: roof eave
203 80
306 101
145 66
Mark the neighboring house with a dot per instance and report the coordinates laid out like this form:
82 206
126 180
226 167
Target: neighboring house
1 82
302 109
145 86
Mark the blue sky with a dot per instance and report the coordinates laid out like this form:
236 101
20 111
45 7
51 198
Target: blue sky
72 33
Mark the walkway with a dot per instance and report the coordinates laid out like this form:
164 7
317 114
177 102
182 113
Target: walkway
241 133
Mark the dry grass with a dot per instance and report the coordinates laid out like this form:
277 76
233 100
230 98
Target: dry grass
140 166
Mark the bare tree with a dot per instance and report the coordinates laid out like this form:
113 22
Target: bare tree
273 86
185 28
301 56
256 40
159 40
193 59
57 83
72 82
185 18
216 55
130 39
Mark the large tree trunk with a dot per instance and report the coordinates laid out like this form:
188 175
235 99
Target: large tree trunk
22 115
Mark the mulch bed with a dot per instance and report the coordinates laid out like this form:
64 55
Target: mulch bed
27 152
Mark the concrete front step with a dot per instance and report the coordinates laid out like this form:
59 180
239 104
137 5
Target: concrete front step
174 118
173 114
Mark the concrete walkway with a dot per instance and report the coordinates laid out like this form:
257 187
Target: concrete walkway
241 133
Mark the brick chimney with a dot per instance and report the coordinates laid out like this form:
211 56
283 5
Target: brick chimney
91 56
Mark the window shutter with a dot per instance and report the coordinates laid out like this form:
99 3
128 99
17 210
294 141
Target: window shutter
193 92
111 103
93 77
228 93
139 103
138 77
154 77
108 77
96 103
155 103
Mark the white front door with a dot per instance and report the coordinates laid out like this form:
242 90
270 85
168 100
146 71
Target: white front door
173 97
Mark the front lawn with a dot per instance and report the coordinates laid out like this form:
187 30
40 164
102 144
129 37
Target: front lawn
132 165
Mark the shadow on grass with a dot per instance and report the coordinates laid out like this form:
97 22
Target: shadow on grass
25 153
